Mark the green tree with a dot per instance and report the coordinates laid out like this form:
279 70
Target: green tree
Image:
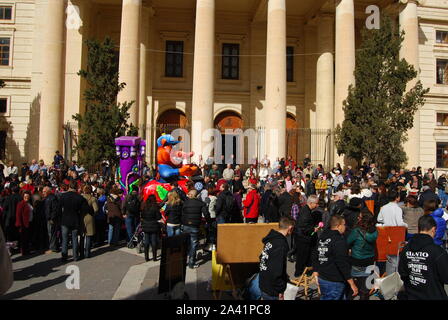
379 110
104 118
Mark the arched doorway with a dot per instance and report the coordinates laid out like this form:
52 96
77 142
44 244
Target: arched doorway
292 134
170 120
229 120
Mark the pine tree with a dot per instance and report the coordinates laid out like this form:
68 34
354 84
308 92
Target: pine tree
379 110
104 118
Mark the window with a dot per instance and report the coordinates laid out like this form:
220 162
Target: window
230 61
442 154
174 59
442 119
4 51
5 13
442 37
442 71
290 64
3 105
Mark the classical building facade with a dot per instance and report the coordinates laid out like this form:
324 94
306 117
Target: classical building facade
277 69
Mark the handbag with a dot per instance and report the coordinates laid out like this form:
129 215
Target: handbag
389 286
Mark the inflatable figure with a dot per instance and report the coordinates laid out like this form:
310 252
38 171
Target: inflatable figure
170 170
172 166
131 151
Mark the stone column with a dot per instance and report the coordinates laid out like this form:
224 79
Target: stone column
130 55
50 131
144 54
409 52
275 115
203 75
345 58
325 82
325 74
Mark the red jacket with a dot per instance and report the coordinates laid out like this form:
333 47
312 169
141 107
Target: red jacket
23 214
28 187
252 204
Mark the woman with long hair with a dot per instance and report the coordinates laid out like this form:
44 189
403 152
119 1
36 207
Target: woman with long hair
173 212
362 240
24 216
150 220
411 213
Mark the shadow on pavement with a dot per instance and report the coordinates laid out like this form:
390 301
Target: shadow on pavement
18 257
40 269
33 288
153 293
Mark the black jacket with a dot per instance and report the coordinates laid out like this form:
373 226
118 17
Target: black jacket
72 205
9 215
423 267
150 217
52 208
350 215
337 207
238 185
173 213
285 203
222 207
273 276
192 212
305 224
428 195
330 258
310 188
272 213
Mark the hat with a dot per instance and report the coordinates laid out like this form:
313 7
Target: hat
340 194
425 188
355 202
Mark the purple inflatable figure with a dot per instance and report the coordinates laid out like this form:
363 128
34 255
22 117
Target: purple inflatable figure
131 151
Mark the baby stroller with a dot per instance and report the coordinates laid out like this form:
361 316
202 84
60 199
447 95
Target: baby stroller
137 239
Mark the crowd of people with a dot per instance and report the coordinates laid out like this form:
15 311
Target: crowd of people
328 217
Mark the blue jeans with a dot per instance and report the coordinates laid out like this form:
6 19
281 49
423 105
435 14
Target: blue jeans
331 290
172 230
220 219
65 234
114 231
85 245
151 239
131 225
443 197
194 241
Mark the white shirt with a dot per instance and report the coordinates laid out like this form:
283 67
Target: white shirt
391 215
264 173
228 173
11 170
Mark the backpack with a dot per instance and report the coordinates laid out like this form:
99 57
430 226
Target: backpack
229 205
133 205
